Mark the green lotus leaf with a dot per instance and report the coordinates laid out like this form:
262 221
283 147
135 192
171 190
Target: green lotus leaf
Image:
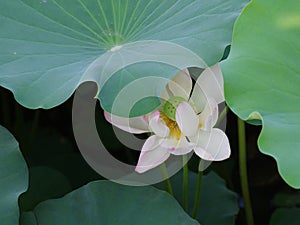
104 202
284 216
262 79
49 47
13 178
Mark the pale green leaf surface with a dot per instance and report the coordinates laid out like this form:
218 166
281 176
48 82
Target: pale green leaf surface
262 79
49 47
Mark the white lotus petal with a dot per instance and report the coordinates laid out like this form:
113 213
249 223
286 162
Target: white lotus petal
152 154
186 119
178 147
198 99
157 126
180 85
209 84
212 146
134 125
209 116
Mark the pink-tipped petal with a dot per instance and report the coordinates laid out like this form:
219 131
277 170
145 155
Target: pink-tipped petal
211 82
186 119
209 116
212 146
183 147
157 126
177 147
152 154
135 125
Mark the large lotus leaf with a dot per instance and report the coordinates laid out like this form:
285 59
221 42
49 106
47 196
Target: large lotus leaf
284 216
104 202
218 204
13 178
49 47
262 79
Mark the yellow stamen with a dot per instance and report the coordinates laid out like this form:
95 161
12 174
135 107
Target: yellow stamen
175 132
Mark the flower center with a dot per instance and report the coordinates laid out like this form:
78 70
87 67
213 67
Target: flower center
175 132
168 115
169 108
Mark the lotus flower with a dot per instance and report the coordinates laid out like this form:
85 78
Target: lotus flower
184 122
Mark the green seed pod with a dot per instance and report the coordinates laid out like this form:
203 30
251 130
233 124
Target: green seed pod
171 105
